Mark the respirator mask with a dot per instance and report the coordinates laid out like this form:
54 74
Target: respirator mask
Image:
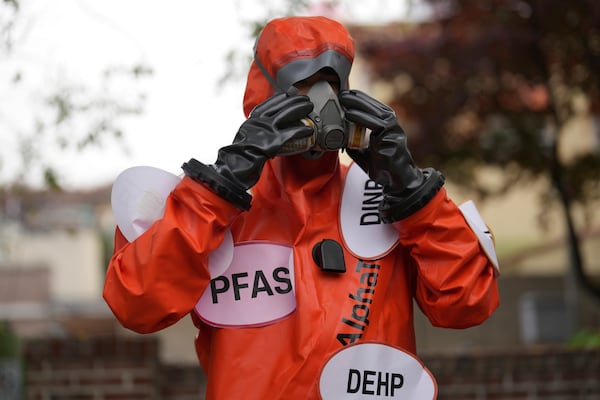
331 132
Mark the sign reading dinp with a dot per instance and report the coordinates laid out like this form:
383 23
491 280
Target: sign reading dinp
364 234
372 370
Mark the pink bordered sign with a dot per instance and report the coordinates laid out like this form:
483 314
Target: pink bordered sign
364 235
256 289
371 370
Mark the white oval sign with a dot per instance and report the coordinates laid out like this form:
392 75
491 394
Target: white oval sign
372 370
138 198
256 289
364 234
483 232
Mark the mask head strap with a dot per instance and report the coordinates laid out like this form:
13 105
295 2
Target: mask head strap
264 71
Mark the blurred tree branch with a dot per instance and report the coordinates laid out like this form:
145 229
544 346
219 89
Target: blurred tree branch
62 113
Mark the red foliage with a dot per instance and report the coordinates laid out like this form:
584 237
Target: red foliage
478 62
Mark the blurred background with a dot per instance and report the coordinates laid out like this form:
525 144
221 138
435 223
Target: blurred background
503 96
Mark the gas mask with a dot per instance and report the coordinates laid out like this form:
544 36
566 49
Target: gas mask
331 132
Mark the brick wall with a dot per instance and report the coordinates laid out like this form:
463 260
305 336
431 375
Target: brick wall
535 373
129 368
93 369
105 368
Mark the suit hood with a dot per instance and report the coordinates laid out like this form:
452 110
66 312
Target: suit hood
293 48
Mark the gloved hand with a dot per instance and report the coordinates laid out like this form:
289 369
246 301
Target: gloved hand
239 165
387 161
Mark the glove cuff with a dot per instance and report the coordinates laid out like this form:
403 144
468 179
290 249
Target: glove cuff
224 187
394 208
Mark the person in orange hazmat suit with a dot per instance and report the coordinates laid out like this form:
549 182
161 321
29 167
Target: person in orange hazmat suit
284 256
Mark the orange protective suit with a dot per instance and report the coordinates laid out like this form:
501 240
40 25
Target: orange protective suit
157 279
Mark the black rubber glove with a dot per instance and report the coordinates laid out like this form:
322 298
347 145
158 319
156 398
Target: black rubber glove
387 161
239 165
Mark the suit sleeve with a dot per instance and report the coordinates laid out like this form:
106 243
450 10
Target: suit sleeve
158 278
456 283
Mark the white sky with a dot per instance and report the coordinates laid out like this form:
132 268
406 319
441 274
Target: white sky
185 42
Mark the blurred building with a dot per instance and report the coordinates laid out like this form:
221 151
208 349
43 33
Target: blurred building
54 250
52 253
